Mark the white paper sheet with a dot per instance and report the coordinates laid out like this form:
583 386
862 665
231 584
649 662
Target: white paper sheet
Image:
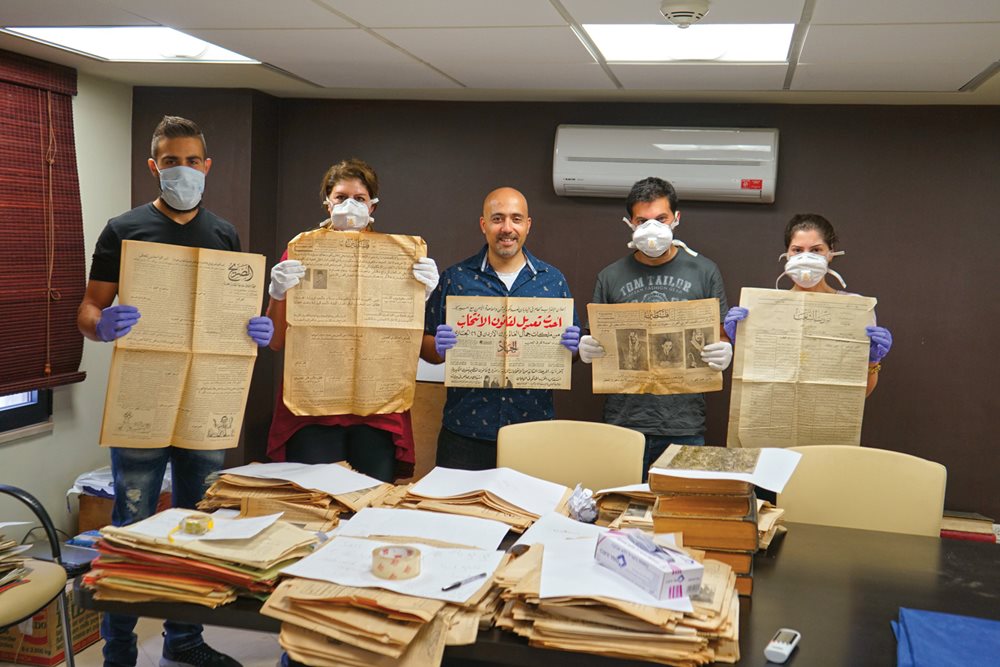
347 561
465 530
163 525
569 569
329 478
554 527
630 488
774 468
531 494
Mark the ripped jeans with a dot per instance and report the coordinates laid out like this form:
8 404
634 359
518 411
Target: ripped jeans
138 474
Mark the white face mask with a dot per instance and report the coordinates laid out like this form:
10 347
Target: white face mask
349 215
181 187
652 237
807 269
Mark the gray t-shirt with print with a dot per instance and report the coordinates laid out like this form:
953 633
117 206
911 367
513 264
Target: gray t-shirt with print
684 278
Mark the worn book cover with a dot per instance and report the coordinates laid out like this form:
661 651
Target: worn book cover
702 459
703 504
712 533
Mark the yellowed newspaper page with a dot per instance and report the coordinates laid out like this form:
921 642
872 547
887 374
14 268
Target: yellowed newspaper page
182 375
655 348
355 323
509 343
804 369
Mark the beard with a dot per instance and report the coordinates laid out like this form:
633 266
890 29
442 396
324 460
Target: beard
504 251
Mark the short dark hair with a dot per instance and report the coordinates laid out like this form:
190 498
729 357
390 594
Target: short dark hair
805 221
174 127
345 169
648 190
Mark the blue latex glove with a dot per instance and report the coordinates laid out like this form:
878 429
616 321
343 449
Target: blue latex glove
881 343
734 315
116 321
260 329
445 338
571 338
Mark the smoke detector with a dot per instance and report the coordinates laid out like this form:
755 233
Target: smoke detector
683 13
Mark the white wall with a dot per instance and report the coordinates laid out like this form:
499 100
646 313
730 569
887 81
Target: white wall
46 465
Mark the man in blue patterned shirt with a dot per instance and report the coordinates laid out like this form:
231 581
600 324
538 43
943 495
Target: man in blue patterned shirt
472 417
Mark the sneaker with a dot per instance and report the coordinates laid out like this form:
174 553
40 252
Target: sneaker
202 655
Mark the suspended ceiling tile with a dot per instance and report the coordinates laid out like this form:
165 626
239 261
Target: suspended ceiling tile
335 58
532 76
443 47
700 76
448 13
32 13
904 11
911 45
720 11
946 77
236 14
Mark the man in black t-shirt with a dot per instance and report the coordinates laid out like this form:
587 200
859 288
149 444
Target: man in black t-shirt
176 217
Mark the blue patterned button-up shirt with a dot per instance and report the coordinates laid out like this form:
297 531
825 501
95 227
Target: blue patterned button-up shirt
479 413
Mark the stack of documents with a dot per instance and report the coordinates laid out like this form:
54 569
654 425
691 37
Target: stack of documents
11 570
336 611
312 496
152 561
557 596
769 523
500 494
626 504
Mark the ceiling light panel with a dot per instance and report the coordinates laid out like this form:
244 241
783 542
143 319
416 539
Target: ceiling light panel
132 44
667 43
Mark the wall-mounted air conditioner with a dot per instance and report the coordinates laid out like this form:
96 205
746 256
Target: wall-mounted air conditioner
709 164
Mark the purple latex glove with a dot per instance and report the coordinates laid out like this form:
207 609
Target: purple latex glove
444 339
260 329
116 321
571 338
734 315
881 343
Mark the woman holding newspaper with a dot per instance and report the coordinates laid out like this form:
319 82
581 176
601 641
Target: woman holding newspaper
379 445
810 243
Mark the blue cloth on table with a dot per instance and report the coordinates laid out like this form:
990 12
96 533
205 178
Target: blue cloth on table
936 639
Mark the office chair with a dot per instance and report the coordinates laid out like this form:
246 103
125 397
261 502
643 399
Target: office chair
867 488
47 580
599 456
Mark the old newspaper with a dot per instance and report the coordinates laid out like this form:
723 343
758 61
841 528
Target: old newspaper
355 323
508 343
800 369
182 375
655 348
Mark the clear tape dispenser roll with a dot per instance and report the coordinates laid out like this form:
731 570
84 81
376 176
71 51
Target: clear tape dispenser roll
395 562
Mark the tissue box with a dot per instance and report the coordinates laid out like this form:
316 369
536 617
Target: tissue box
665 574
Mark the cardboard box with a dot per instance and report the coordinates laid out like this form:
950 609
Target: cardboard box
665 574
95 511
44 645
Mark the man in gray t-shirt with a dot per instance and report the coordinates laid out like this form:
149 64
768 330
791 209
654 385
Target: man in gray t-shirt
660 269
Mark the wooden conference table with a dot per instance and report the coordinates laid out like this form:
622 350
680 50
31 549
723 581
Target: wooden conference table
839 587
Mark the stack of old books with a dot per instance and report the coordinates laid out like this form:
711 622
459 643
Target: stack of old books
152 561
970 526
500 494
614 627
312 496
715 515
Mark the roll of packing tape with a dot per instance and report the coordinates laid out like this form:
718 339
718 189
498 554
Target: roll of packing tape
395 562
196 524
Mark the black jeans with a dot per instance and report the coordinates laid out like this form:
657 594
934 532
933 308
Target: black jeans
465 453
370 451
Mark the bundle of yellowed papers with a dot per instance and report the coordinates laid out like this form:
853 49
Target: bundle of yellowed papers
625 503
614 627
500 494
311 496
151 560
769 523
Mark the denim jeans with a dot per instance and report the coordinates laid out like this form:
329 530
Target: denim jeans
657 444
138 474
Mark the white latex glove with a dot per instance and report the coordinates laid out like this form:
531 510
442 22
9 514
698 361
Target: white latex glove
718 356
590 349
426 271
284 276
